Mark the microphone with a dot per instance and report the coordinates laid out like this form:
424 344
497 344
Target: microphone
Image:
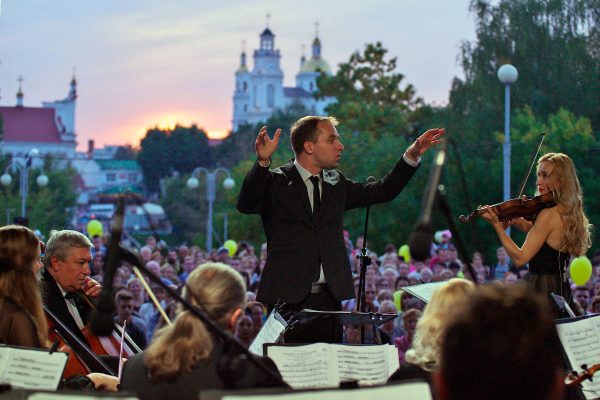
421 238
101 321
419 242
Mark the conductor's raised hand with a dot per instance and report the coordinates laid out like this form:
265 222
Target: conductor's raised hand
424 142
265 146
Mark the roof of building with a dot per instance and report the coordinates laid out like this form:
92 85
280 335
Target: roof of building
267 31
29 124
316 65
296 92
118 164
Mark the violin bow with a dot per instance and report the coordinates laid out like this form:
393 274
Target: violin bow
533 158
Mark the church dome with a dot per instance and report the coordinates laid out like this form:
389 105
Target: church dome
316 65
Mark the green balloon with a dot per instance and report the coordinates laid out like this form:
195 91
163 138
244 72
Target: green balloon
581 270
231 247
94 227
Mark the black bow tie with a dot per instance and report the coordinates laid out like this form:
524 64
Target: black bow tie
70 295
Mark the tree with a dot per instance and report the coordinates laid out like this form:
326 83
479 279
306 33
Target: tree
164 152
48 207
369 96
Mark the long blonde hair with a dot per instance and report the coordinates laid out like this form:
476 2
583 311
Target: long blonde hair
218 290
19 279
427 343
568 195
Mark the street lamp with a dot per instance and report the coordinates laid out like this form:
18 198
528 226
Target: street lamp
211 180
23 167
507 74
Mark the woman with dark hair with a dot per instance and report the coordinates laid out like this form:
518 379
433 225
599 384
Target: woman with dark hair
186 357
22 320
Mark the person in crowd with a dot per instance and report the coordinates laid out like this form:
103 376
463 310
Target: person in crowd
137 331
425 355
389 330
426 275
186 357
582 297
257 311
307 264
187 266
595 305
137 293
167 271
558 232
404 342
478 265
244 330
501 344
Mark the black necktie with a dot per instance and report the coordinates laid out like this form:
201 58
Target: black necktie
316 195
70 295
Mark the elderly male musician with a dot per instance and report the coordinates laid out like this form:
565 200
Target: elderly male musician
66 279
68 290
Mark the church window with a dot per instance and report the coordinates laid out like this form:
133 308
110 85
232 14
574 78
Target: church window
245 86
245 107
132 177
270 96
111 177
311 86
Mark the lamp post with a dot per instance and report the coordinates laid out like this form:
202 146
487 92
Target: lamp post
211 190
507 74
23 167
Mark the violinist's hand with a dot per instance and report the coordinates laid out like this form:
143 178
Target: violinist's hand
104 382
491 215
91 287
521 224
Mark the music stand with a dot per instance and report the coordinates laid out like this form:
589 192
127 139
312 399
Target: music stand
341 318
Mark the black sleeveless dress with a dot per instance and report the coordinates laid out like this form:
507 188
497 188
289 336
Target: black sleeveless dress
548 272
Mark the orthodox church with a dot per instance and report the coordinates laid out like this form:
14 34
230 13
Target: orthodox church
49 129
260 92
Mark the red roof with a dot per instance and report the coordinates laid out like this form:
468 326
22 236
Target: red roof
29 124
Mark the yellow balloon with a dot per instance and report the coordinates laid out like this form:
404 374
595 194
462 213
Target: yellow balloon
231 247
94 228
404 251
581 270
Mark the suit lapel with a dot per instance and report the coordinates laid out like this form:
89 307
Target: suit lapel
330 179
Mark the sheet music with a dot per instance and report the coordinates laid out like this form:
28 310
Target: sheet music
273 327
413 391
423 291
581 341
305 366
369 365
31 368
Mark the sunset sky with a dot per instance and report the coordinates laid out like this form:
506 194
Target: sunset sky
146 63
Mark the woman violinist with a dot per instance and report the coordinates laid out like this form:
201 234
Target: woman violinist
556 234
22 319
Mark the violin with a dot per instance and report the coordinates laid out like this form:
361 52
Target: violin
523 207
574 378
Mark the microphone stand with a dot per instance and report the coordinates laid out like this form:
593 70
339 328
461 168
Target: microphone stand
365 261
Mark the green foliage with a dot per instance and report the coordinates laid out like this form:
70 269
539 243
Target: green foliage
553 45
369 96
49 207
164 152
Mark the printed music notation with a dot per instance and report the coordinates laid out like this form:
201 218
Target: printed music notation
31 368
581 341
322 365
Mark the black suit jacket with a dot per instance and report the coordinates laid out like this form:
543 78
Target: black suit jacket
296 241
54 300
